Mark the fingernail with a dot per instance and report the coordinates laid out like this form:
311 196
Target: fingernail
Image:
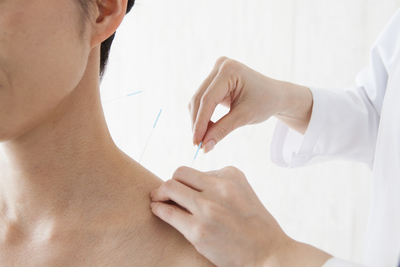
152 204
152 193
194 143
208 146
194 138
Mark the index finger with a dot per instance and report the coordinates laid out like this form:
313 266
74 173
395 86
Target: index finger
196 99
214 95
193 178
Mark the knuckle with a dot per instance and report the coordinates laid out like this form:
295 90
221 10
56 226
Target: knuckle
197 96
233 177
222 132
224 188
233 170
205 99
230 65
178 172
220 61
168 212
167 186
195 99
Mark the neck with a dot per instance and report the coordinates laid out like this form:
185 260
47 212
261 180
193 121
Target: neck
56 165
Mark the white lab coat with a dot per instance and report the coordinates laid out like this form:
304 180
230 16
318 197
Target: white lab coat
359 123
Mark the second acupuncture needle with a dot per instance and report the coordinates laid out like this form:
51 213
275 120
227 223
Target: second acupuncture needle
150 135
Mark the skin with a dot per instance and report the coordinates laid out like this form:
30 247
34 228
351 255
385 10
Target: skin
68 195
221 214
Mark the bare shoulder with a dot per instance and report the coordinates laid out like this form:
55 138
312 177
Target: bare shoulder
151 240
118 229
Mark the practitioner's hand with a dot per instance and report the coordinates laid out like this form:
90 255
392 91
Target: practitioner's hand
251 97
226 222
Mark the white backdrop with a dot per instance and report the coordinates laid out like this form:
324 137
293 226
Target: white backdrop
166 48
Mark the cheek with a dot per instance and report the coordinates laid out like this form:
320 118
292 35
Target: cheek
42 60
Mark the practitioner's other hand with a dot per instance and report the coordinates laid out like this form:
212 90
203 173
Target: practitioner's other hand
226 222
251 97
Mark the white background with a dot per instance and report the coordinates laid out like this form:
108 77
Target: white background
167 47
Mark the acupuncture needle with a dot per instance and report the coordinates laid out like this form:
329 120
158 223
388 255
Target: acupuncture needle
150 135
108 101
196 153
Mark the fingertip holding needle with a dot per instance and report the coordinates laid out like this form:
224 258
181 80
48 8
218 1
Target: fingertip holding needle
196 154
148 139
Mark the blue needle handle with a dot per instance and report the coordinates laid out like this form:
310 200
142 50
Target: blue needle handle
157 119
198 150
134 93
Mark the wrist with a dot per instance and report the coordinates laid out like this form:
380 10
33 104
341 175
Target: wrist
296 104
296 101
294 253
278 257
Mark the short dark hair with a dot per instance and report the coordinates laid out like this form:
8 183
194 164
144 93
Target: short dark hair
84 7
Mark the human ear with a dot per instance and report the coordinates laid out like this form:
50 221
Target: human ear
108 16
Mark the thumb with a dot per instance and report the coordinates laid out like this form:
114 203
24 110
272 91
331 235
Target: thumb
220 129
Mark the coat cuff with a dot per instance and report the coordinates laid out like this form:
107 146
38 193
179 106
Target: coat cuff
290 149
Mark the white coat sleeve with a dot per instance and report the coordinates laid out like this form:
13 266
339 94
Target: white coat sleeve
335 262
344 123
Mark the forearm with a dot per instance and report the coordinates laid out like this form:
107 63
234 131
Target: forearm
296 105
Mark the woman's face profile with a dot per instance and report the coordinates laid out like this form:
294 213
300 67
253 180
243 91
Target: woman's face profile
43 57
